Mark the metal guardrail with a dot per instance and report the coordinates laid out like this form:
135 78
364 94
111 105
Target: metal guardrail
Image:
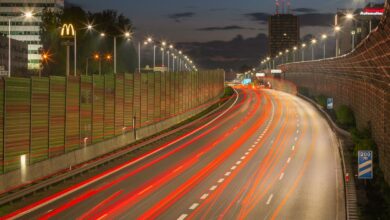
8 198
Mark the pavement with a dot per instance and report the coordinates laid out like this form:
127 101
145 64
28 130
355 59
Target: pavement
269 156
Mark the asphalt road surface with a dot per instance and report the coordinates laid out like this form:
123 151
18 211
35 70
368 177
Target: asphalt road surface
269 156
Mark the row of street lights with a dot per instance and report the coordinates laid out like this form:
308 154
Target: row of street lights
269 62
182 60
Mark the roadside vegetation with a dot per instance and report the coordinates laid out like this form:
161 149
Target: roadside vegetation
373 195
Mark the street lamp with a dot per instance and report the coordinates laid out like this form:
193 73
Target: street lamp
313 43
287 51
353 33
294 51
303 52
324 37
349 16
337 30
27 15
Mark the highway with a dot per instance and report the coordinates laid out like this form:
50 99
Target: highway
269 156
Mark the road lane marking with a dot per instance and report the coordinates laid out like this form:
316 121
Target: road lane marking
194 206
297 131
293 147
221 180
289 160
281 176
296 138
247 153
270 199
213 188
250 149
238 162
102 217
228 173
182 217
256 142
143 191
177 169
254 145
204 196
233 167
243 157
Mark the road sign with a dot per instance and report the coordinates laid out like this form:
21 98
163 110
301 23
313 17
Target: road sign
246 81
329 103
365 164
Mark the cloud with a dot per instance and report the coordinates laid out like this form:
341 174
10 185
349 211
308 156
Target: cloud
316 19
178 17
304 10
230 54
258 16
225 28
306 19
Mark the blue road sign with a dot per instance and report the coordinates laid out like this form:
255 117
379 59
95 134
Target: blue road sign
246 81
329 103
365 164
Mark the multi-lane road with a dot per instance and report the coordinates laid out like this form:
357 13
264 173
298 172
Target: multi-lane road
269 156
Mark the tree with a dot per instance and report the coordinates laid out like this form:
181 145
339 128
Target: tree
89 42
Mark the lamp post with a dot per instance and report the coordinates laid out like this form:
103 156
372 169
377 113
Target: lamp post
353 33
303 52
287 51
324 37
128 36
281 56
313 43
294 51
337 30
27 15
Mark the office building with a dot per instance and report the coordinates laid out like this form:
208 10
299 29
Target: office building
19 51
283 33
23 29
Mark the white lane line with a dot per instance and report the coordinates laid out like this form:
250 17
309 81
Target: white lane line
281 176
228 173
182 217
146 189
270 199
213 188
250 149
254 145
256 142
243 157
296 138
204 196
238 162
194 206
293 147
233 167
221 180
298 125
289 160
247 153
297 131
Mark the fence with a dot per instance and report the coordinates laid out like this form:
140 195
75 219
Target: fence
360 80
41 118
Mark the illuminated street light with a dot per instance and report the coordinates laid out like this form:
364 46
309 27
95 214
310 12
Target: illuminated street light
324 37
349 16
353 33
313 43
102 34
303 52
294 51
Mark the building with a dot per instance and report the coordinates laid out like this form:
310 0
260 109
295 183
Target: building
355 25
283 33
19 51
23 29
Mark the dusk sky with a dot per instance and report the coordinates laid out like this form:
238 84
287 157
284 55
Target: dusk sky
220 33
206 20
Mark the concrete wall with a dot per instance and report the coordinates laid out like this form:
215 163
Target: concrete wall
360 80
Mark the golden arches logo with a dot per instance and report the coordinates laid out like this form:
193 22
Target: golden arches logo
67 30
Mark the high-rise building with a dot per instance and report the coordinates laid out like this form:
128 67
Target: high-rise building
18 54
283 30
26 29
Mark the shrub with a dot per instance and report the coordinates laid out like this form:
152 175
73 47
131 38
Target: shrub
345 116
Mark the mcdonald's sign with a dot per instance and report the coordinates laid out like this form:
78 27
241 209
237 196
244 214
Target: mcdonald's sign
67 31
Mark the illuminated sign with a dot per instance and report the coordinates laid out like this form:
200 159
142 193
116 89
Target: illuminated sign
260 74
373 11
276 71
67 31
246 81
